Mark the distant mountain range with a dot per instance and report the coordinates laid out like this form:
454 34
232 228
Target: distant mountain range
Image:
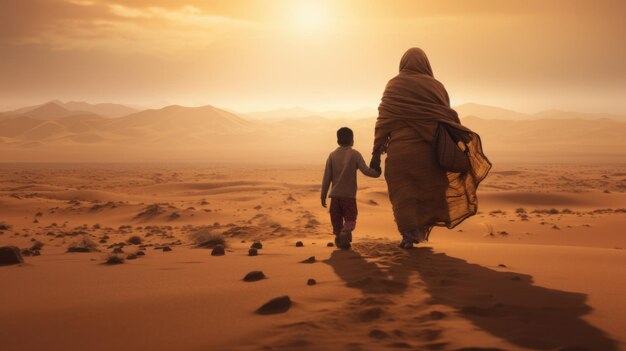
58 109
491 112
81 132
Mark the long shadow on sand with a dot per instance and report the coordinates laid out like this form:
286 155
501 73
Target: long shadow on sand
504 304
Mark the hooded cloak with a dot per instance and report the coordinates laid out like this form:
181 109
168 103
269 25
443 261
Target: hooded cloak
422 193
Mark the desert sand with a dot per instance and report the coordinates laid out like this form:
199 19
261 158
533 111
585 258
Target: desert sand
541 267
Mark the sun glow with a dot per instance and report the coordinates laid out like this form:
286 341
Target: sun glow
310 15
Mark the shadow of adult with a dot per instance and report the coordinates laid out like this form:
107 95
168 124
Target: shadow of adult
504 304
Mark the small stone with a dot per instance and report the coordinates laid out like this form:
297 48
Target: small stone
256 245
166 248
253 252
218 250
277 305
10 255
330 244
254 276
309 260
502 265
140 253
299 244
131 256
311 281
118 250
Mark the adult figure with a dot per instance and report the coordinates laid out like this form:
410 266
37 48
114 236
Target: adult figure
414 108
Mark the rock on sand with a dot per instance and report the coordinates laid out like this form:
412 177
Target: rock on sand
276 305
10 255
254 276
218 250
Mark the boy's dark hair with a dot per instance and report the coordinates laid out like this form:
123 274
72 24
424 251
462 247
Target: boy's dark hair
345 136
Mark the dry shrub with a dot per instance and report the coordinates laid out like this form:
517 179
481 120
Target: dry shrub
113 259
207 239
83 244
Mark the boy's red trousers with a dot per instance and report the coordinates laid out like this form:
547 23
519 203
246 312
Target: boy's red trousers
343 214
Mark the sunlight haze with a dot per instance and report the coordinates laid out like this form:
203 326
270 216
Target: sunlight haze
259 55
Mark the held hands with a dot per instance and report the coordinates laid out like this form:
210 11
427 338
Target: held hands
375 162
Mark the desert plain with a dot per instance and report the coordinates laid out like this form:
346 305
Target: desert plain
171 228
540 267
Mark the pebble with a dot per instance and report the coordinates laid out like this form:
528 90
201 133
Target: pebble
277 305
309 260
254 276
10 255
218 250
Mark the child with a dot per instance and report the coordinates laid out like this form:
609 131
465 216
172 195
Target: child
340 171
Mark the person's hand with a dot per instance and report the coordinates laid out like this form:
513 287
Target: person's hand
378 150
375 163
324 202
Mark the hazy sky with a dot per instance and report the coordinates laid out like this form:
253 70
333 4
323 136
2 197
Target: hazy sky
253 55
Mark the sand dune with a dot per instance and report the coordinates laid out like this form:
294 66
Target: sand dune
103 109
188 134
537 269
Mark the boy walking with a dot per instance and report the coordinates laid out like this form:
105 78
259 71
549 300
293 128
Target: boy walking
340 171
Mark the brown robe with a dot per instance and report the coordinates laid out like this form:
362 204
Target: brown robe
423 194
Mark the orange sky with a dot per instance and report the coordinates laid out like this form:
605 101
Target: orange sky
254 55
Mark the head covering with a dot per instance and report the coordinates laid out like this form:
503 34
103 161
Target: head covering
415 60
